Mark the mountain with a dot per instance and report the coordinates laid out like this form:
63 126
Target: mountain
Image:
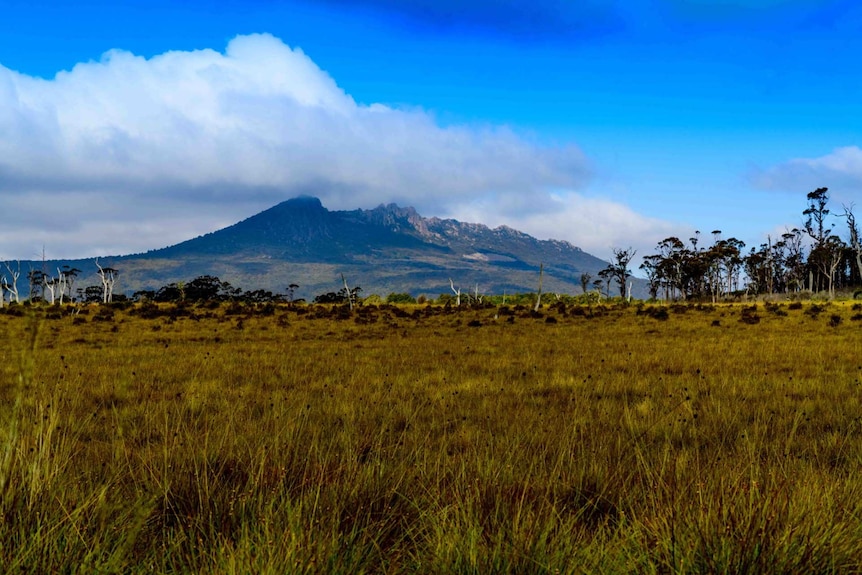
387 249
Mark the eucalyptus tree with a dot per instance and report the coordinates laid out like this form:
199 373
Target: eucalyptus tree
36 282
208 288
794 259
66 276
619 268
694 272
585 278
757 270
830 256
108 276
652 267
723 264
672 255
820 231
731 251
606 277
291 292
816 214
90 294
855 244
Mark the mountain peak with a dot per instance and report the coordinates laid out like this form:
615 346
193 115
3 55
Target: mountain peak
302 203
386 249
396 218
304 199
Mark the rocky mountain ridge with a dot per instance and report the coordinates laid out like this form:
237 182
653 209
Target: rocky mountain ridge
383 250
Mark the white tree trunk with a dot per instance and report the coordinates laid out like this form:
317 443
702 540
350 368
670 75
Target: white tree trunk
51 286
457 292
349 293
107 275
61 280
13 287
539 294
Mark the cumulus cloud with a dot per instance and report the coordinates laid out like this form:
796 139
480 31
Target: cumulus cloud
595 224
126 154
841 169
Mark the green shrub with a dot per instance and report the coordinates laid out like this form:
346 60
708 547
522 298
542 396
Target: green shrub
400 298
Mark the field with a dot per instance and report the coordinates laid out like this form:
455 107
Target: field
271 439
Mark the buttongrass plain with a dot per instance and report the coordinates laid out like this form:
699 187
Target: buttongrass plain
417 439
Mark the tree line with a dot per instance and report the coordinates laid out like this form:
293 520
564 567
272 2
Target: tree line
60 288
813 258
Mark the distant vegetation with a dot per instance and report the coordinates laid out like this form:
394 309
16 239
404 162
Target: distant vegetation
801 262
812 259
230 437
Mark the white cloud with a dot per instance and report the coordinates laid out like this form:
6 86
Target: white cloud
841 169
596 225
127 154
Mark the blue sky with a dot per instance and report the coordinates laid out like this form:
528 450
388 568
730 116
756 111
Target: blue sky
125 126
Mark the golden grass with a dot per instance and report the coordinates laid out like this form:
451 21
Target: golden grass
419 440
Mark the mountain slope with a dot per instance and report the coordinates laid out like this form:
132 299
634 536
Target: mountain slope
383 250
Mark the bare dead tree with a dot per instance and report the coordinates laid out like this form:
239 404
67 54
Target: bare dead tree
12 288
61 282
51 285
855 244
108 277
539 293
457 292
350 294
828 258
66 276
836 247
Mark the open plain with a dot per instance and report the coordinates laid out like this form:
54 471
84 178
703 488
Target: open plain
611 438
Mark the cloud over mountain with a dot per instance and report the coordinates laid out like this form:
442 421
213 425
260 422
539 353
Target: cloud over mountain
127 153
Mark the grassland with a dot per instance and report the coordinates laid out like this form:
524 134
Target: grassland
610 439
